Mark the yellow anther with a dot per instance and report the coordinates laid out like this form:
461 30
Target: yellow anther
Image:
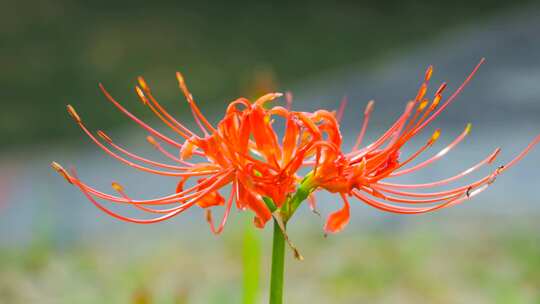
151 140
435 136
423 105
58 168
183 87
141 95
180 78
117 187
429 71
73 114
104 136
436 100
143 83
468 128
421 92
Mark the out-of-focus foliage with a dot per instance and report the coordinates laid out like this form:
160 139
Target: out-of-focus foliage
55 51
251 263
466 264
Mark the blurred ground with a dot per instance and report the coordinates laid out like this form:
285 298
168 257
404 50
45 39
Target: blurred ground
438 262
57 248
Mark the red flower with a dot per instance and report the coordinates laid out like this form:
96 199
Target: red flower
361 172
243 151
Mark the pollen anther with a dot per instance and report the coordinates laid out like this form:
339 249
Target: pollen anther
73 114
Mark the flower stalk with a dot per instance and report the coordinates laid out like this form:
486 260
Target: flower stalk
278 265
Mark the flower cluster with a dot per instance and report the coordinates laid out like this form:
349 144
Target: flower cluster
259 167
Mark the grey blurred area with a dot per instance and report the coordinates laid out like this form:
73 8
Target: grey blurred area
502 102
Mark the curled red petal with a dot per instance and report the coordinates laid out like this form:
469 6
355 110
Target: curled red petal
338 220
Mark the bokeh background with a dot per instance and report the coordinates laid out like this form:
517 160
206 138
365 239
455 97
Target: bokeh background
57 248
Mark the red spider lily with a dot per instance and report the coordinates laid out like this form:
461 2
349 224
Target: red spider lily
243 151
360 173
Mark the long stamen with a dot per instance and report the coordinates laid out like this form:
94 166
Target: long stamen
358 155
428 109
430 200
289 100
430 142
393 146
158 147
145 102
167 200
196 112
127 162
118 188
367 114
451 98
531 145
437 156
461 189
487 160
125 218
413 210
162 109
178 210
138 121
108 139
341 109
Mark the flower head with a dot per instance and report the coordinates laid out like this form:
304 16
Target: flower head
244 153
361 173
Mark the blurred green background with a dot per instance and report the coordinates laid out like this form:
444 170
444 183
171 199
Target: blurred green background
55 52
56 248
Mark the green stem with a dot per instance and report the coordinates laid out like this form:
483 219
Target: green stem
278 246
302 193
278 266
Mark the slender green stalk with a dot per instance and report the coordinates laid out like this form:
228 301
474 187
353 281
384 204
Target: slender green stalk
278 266
302 193
278 246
